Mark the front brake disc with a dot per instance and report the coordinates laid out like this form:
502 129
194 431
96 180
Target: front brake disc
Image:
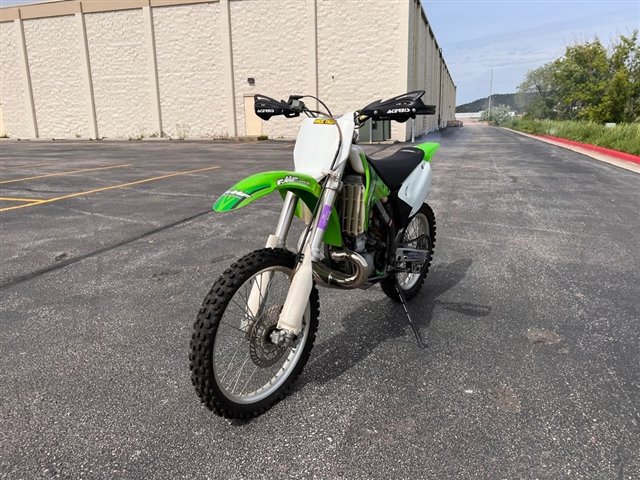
263 352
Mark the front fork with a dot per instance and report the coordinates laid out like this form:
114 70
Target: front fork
290 320
261 283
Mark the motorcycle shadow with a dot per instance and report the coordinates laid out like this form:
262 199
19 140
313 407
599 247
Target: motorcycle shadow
376 322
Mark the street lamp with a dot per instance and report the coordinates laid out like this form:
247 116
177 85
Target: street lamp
490 90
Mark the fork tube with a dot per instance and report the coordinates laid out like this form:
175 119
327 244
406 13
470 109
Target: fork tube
279 238
261 283
286 216
322 218
294 306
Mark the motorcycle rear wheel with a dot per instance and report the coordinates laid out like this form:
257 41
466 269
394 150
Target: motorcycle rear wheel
236 371
422 223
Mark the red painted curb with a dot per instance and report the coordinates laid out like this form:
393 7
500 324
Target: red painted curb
628 157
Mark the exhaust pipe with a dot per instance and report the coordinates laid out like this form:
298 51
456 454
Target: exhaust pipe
332 278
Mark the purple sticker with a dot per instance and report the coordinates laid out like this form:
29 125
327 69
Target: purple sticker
324 217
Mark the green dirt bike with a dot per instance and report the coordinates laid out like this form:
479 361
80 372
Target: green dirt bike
367 222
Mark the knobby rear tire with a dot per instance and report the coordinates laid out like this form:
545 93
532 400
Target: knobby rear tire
389 283
206 326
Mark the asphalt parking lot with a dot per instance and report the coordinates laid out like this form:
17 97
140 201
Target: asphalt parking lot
531 314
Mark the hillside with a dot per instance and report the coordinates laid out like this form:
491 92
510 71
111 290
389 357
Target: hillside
508 99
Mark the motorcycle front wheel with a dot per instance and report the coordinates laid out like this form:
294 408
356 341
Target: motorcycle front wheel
235 368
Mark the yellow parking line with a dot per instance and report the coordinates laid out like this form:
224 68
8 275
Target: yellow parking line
102 189
13 199
64 173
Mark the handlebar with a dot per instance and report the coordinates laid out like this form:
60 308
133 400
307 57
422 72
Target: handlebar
400 108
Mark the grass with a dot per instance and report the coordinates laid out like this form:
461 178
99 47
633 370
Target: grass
622 137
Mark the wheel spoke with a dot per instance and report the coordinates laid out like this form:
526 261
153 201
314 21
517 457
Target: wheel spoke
245 310
255 369
270 369
233 390
231 326
417 239
414 234
235 352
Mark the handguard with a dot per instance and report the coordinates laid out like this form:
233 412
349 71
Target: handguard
400 108
267 107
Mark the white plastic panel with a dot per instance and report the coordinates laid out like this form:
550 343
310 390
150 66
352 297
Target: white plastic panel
354 159
317 144
415 188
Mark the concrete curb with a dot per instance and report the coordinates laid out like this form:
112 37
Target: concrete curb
628 157
597 153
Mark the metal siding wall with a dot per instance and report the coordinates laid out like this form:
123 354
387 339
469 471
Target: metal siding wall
429 73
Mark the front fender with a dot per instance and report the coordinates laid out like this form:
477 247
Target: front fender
259 185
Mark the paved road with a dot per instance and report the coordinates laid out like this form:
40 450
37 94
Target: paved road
531 313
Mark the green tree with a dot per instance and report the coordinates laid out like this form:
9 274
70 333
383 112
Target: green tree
587 83
621 100
500 114
537 94
581 78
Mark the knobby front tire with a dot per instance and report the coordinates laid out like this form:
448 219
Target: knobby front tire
236 371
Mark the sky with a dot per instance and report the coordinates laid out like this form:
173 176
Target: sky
11 3
512 36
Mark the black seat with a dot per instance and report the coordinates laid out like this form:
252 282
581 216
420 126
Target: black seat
395 168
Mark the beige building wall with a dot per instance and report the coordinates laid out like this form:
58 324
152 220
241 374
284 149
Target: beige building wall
181 67
12 89
120 74
361 53
428 71
269 40
191 70
54 51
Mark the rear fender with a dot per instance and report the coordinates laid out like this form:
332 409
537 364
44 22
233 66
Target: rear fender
429 149
305 187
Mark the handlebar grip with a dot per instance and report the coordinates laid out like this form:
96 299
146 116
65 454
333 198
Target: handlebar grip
426 110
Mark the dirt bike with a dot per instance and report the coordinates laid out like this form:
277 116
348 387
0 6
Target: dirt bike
366 222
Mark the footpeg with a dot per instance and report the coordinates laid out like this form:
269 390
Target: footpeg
414 327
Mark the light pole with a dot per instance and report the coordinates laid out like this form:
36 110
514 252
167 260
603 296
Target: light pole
490 91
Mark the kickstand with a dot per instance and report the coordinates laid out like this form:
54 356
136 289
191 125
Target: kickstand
414 327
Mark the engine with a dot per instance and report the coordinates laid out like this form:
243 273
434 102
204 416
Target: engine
352 210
